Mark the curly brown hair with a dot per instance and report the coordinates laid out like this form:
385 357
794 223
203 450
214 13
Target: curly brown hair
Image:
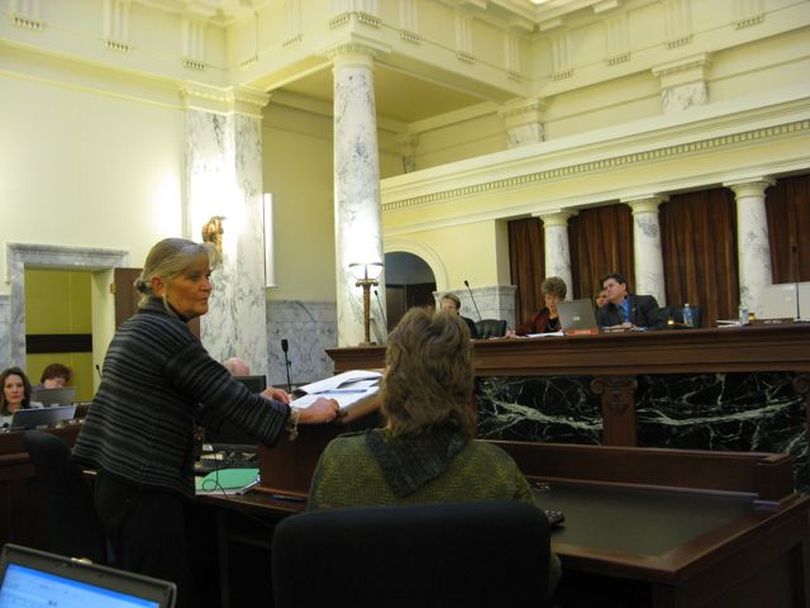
428 382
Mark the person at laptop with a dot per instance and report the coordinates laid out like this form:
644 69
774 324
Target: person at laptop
138 433
16 394
427 451
450 303
546 319
55 375
626 310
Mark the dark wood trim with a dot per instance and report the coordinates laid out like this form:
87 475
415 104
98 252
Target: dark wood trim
58 343
747 349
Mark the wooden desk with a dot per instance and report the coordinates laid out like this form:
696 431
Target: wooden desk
674 527
615 360
22 503
657 528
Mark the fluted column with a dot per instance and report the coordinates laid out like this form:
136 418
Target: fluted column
358 231
224 177
649 261
557 249
753 246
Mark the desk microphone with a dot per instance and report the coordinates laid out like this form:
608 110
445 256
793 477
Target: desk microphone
382 312
285 346
472 297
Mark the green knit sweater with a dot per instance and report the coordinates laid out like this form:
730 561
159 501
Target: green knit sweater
370 468
349 474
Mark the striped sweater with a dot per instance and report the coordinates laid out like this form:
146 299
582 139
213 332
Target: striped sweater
156 373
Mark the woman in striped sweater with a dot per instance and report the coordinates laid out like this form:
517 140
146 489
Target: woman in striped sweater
138 433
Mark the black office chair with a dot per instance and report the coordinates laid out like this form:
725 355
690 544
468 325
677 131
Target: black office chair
73 526
675 313
491 328
454 554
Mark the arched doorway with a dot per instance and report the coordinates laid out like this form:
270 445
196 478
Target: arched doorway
409 281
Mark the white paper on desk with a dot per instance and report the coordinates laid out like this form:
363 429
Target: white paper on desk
549 333
346 388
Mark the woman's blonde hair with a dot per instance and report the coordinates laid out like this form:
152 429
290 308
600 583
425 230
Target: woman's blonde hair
429 377
169 258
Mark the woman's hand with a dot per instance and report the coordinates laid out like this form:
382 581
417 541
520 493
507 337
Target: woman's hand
276 394
321 410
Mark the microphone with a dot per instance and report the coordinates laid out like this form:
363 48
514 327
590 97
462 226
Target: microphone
472 297
382 312
285 346
98 369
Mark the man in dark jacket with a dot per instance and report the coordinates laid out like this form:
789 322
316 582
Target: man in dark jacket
624 309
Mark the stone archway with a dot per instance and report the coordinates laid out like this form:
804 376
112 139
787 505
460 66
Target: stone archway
409 281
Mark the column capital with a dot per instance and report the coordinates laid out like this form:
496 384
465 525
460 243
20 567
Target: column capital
750 187
559 217
645 204
356 51
223 100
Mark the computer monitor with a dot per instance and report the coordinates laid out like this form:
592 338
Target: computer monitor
35 578
779 301
230 438
54 396
255 384
47 416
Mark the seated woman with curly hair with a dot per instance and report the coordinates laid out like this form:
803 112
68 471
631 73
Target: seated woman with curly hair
427 451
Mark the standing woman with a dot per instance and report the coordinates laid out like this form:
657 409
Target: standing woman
15 395
139 431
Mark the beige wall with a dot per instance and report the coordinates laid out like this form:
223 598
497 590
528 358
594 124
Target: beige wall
86 166
297 167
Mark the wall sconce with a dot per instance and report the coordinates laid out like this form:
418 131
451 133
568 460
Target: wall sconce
366 275
212 232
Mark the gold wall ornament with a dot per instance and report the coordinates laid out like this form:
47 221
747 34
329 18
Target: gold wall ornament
212 232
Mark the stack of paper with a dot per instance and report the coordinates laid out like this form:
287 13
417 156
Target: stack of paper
347 388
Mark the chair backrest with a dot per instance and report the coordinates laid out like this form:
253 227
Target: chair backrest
73 526
675 312
491 328
453 554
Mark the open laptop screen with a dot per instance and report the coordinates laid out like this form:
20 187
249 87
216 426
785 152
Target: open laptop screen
577 316
35 578
55 396
49 416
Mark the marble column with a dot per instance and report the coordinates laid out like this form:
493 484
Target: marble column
649 261
753 247
358 224
557 250
224 177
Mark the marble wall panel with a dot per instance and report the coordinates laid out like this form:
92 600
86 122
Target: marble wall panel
5 328
743 412
310 328
559 409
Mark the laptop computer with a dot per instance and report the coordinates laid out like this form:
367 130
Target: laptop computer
54 396
577 317
48 416
29 577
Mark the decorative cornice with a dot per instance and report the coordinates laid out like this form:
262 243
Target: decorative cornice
606 164
223 100
359 16
410 36
25 22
